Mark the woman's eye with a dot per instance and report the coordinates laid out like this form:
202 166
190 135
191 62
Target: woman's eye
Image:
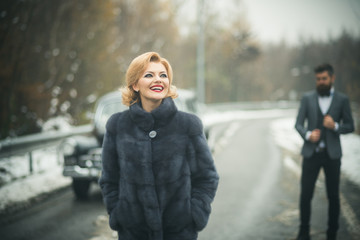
163 75
148 75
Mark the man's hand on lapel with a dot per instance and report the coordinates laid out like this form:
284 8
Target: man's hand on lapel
329 122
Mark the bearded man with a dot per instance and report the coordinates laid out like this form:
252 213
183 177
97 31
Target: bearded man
323 115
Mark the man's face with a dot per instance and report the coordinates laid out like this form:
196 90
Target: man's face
324 82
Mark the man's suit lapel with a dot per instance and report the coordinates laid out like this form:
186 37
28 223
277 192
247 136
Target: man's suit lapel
333 102
315 106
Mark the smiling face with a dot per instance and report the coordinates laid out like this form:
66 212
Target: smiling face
153 85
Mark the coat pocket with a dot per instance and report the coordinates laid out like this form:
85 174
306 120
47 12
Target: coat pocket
113 218
130 214
200 213
177 215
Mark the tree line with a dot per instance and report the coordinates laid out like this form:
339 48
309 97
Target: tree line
57 57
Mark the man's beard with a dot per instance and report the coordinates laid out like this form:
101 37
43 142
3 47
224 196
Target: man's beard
323 89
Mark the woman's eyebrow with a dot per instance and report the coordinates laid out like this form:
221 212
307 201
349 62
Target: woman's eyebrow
154 72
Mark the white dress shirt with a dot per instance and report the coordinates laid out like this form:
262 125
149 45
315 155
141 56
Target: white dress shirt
324 104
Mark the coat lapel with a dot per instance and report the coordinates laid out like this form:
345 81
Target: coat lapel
315 106
333 102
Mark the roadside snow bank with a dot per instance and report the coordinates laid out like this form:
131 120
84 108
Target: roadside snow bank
24 190
19 186
350 162
216 117
16 167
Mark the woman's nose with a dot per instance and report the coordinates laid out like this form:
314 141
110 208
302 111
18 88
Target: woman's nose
157 78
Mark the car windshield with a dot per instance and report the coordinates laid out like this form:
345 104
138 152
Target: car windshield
107 109
186 104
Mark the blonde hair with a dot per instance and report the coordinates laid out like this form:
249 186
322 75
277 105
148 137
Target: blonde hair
136 69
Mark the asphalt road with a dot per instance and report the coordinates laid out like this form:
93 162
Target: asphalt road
257 198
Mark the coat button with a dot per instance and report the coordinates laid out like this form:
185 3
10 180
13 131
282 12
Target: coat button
152 134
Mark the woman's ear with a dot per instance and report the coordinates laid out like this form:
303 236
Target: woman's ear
135 87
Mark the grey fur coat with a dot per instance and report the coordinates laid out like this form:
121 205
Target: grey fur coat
158 177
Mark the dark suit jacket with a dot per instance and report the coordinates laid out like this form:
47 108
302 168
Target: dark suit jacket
341 113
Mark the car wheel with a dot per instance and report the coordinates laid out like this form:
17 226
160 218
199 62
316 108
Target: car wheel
81 188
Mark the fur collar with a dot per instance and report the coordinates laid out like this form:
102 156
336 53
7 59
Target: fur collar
159 117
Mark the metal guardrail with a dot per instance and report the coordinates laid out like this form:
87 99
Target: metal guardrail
27 144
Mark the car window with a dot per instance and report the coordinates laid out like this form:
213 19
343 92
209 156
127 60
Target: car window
180 104
107 109
190 103
186 104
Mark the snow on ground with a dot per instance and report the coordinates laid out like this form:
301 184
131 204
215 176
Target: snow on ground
351 156
23 190
60 123
213 118
19 186
17 167
287 137
285 134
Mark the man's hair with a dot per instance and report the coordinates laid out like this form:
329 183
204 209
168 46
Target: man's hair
324 67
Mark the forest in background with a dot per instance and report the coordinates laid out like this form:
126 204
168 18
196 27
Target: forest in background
57 57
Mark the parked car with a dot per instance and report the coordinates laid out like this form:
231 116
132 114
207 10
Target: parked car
82 154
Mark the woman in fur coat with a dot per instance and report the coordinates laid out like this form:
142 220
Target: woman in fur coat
158 177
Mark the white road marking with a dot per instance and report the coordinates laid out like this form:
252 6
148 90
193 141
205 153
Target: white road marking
224 139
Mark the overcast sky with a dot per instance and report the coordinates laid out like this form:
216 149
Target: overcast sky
274 20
